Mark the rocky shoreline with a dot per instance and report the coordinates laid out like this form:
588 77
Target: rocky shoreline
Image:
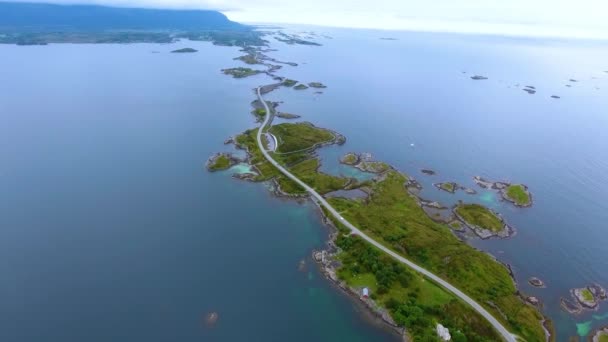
484 233
598 333
584 299
502 188
364 162
328 264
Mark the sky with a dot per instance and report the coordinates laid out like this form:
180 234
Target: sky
558 18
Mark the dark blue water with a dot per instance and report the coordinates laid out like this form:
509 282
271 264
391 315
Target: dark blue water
387 95
111 229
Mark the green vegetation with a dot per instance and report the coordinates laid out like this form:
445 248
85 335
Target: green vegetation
317 85
393 217
185 50
350 159
289 82
240 72
373 166
518 194
300 87
307 171
299 136
449 187
248 59
603 337
219 162
413 302
480 216
587 295
259 113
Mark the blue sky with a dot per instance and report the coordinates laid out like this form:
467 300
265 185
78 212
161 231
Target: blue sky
562 18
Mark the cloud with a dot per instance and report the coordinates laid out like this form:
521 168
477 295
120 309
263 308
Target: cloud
580 18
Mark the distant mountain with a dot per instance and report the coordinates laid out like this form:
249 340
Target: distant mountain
37 17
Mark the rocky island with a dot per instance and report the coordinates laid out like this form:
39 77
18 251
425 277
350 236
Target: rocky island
478 78
585 298
288 116
240 72
364 162
391 214
221 161
450 187
316 85
301 86
517 194
483 221
185 50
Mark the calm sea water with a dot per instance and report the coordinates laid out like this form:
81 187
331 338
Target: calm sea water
112 230
409 102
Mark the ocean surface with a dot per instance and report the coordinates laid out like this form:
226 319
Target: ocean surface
111 229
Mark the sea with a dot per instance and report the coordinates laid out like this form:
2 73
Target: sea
112 229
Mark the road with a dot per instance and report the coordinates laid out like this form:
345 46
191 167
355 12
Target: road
477 307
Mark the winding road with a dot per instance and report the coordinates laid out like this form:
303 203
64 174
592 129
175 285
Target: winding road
495 323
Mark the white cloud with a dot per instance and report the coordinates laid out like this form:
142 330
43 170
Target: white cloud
579 18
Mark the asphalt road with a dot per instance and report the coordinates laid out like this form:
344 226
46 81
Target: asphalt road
495 323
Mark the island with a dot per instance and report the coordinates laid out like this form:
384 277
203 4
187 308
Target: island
481 220
447 187
517 194
289 82
536 282
391 214
584 298
555 97
478 78
428 172
185 50
301 87
240 72
600 335
316 85
288 116
364 162
221 161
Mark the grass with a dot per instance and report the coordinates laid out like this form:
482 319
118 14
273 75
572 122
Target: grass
260 112
240 72
604 337
289 82
222 162
449 187
249 59
393 217
518 193
481 216
350 159
299 136
587 295
321 182
374 166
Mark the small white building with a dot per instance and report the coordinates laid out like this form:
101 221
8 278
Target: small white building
365 292
443 333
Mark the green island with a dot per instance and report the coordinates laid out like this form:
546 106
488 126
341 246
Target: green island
448 186
289 82
392 216
316 85
480 216
248 59
364 163
518 194
185 50
220 161
301 87
587 295
259 113
240 72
